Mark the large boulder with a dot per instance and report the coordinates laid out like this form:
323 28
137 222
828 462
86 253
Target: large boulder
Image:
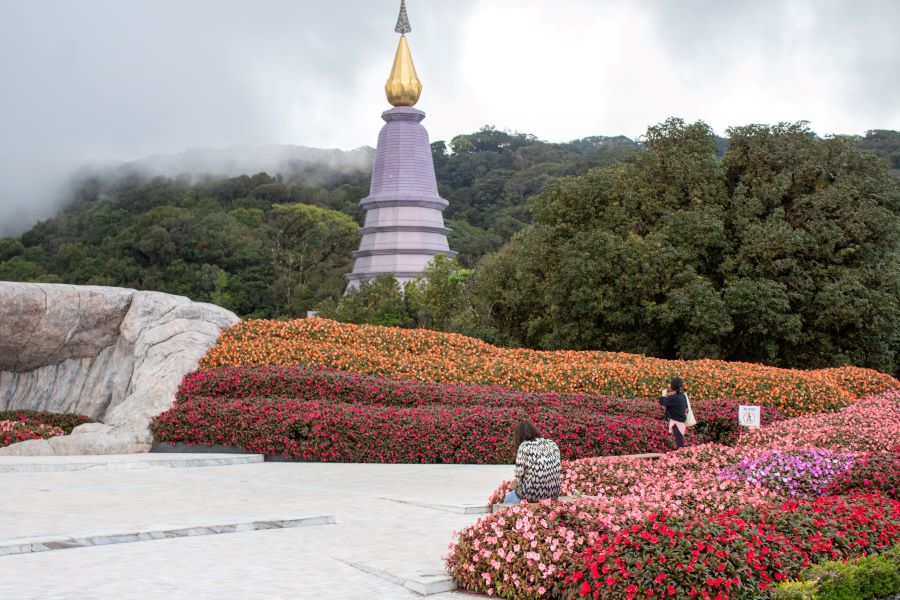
114 354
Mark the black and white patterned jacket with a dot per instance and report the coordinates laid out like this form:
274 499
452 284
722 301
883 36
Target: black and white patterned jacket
537 470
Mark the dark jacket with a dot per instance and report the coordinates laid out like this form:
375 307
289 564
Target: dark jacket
676 406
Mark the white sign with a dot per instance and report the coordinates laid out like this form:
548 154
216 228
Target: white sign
748 416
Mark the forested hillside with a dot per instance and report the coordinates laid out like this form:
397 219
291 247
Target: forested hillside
277 245
771 245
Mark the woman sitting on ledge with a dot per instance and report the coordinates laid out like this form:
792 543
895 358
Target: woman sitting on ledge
537 466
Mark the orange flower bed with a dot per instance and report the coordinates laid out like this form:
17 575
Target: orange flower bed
426 355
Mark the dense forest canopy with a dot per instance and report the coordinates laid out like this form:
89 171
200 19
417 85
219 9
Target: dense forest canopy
771 245
785 251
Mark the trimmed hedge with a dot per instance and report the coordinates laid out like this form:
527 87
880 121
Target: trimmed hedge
867 578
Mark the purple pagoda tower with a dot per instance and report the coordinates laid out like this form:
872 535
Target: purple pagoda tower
404 226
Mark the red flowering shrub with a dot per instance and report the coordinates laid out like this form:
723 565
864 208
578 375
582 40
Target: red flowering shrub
66 422
585 548
733 555
12 432
327 415
434 433
875 472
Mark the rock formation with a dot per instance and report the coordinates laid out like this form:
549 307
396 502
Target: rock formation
114 354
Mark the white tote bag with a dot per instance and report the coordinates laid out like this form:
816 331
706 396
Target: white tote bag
690 421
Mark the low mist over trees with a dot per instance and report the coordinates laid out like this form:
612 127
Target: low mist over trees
771 245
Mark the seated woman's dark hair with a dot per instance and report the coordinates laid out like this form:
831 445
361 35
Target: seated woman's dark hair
677 385
525 432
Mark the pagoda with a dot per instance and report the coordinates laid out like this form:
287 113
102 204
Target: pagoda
404 224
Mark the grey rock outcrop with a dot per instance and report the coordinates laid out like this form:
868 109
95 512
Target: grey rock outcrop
114 354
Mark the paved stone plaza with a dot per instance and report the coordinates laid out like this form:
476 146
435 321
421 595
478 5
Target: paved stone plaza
334 526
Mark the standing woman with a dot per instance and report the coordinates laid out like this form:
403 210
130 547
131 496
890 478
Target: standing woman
537 466
676 403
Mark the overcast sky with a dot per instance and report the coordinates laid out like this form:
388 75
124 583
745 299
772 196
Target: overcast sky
95 80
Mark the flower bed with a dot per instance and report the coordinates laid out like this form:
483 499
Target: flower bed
588 548
315 413
66 422
871 425
710 521
12 432
696 557
805 473
455 359
436 433
870 472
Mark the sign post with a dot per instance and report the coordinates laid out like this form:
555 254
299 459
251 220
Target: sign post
748 416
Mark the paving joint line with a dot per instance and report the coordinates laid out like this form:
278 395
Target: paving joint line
33 545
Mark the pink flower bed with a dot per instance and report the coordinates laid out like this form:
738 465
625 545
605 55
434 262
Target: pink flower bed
525 550
870 425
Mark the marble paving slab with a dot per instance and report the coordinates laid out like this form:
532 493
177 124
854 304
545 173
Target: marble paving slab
121 462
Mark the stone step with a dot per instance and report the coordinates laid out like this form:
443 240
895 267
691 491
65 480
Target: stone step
425 584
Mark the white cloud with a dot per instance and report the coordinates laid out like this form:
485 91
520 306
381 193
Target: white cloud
103 79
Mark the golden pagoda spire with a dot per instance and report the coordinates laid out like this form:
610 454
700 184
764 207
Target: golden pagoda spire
403 87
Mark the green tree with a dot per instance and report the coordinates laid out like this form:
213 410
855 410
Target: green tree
311 251
437 296
377 301
782 251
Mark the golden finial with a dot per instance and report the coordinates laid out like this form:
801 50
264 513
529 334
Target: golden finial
403 87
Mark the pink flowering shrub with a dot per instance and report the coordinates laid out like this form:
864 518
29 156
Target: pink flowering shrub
872 424
682 482
12 432
804 473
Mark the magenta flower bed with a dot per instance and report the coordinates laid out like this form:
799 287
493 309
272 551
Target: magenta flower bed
321 414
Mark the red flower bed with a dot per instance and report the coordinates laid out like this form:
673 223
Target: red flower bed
582 549
875 472
12 432
734 555
66 422
326 415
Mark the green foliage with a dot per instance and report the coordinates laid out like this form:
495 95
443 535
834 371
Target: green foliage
377 301
884 144
224 242
490 175
9 248
437 296
784 251
868 578
772 245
